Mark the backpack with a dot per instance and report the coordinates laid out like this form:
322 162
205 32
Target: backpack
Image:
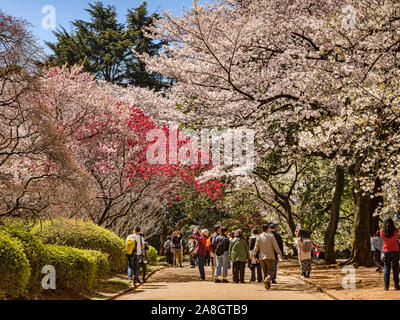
130 245
252 243
219 246
167 246
307 245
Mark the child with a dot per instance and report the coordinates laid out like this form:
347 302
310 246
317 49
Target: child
304 248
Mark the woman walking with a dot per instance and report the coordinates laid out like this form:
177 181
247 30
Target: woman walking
239 254
304 248
201 250
390 251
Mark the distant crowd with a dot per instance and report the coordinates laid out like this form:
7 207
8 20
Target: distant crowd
261 252
225 250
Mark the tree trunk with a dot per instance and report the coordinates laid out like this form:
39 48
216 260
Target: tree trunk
183 222
329 238
164 233
376 202
361 246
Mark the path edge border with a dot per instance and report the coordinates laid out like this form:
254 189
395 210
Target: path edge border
318 287
133 288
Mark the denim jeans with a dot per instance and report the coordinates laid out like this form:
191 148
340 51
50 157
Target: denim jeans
133 263
222 263
201 260
391 260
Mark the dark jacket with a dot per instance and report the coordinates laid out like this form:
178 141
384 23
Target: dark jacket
223 240
177 241
279 240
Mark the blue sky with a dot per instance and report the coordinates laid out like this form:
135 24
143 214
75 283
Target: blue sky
68 10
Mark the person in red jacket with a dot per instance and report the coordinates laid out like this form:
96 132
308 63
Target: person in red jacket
390 250
201 250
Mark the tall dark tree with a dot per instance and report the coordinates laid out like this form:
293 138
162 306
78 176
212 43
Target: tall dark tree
103 46
329 238
136 74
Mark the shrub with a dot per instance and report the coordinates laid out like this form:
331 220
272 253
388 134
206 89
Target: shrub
14 267
161 259
102 264
152 255
84 235
35 253
76 269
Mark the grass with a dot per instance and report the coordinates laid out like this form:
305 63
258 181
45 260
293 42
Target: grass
109 287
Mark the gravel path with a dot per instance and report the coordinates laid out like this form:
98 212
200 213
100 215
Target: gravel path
184 284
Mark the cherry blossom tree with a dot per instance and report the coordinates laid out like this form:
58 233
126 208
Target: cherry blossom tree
294 71
359 79
240 64
109 140
36 172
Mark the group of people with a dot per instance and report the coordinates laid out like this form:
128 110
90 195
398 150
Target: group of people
261 252
232 250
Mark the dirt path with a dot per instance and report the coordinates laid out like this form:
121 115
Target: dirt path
184 284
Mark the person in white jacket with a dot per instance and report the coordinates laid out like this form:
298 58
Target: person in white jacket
304 248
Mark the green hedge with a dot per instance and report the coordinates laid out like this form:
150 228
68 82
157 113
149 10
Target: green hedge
77 270
102 264
84 235
152 255
35 253
14 267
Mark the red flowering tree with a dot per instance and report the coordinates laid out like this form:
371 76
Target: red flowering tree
111 142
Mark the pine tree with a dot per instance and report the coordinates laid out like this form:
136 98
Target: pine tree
137 20
103 46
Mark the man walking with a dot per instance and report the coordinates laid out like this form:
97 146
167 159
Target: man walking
134 258
176 239
280 244
266 246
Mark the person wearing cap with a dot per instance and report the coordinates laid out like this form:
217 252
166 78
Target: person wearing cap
279 240
201 249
